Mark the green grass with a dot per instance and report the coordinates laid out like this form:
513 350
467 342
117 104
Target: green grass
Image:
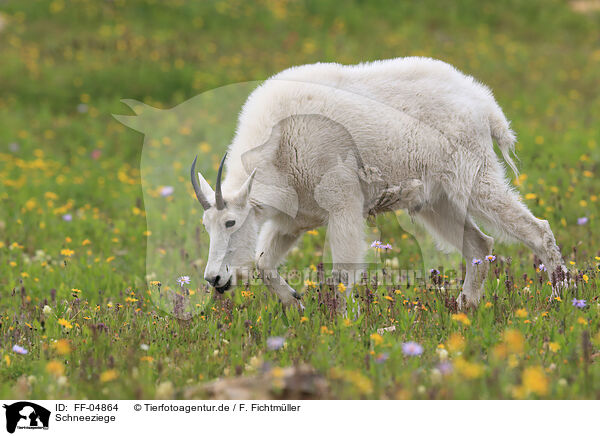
540 58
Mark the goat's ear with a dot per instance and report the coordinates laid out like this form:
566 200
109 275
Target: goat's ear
207 191
244 192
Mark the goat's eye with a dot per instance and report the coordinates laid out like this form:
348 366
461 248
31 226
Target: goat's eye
229 223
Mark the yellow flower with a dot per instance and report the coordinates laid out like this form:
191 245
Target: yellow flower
67 252
581 320
467 369
109 375
341 287
377 338
62 346
514 341
146 359
312 232
66 324
456 343
55 367
86 242
554 346
535 380
7 359
488 305
462 318
77 291
303 319
585 278
387 297
521 313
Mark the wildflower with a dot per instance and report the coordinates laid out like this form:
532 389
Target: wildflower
467 369
183 280
341 287
67 252
434 271
582 221
578 303
554 346
382 357
377 338
456 343
76 291
445 368
62 346
66 324
19 350
535 380
303 319
514 341
376 244
55 368
412 349
165 191
109 375
275 342
67 217
490 258
476 261
144 347
542 267
462 318
521 313
47 310
442 353
581 320
488 304
313 232
585 278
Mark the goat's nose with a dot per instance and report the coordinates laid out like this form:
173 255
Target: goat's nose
212 280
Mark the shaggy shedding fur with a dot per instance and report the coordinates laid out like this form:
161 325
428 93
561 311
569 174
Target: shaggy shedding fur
331 143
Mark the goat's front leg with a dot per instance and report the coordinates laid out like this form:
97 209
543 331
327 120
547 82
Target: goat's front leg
272 247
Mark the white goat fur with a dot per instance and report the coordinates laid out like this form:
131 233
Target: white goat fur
417 124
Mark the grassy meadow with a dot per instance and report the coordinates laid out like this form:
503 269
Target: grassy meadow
78 317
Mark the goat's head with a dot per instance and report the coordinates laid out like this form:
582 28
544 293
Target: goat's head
231 225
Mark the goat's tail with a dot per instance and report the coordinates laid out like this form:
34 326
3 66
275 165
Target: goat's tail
504 136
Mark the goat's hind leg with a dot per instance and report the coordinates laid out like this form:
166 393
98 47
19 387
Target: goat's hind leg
451 225
498 205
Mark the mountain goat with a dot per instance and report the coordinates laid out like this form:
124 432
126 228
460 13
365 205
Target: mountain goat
327 144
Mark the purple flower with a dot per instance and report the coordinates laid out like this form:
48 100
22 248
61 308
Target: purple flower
386 246
578 303
582 221
434 271
183 280
19 350
445 368
275 342
376 244
67 217
381 358
476 261
542 267
165 191
412 349
490 258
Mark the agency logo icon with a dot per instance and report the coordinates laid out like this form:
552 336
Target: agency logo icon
26 415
